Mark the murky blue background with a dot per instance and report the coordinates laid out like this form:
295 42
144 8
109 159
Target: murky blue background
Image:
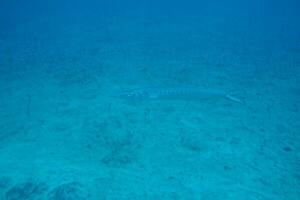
73 125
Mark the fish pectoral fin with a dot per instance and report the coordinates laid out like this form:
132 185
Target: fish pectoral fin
232 98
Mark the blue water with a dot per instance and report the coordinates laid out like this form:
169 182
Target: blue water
73 125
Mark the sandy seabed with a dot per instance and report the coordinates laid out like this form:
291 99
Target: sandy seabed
65 134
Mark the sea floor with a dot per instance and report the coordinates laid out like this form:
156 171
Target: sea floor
65 134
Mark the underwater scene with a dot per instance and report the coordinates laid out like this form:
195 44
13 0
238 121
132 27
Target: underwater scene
149 99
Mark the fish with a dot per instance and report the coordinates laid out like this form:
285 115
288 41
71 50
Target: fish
176 93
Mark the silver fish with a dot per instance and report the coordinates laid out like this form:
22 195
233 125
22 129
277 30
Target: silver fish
185 93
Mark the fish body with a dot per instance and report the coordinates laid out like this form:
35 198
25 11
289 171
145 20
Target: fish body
186 93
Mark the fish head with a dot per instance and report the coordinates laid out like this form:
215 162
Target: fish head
134 94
